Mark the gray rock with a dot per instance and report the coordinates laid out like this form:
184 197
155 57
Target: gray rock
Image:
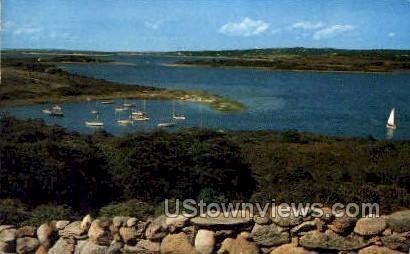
261 220
27 245
132 222
397 241
143 246
176 223
63 246
8 235
73 230
370 226
377 250
304 227
205 241
269 235
399 221
343 225
61 224
115 248
86 222
156 230
26 231
92 248
99 232
119 221
331 241
207 220
290 221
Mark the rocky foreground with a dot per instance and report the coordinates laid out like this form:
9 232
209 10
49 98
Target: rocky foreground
247 235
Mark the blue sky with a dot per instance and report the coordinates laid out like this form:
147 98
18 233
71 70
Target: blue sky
131 25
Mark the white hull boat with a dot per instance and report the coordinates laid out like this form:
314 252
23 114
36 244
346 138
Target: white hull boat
391 121
165 125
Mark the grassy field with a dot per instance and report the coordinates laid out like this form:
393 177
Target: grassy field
26 81
305 59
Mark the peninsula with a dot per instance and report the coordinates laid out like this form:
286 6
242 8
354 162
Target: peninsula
30 80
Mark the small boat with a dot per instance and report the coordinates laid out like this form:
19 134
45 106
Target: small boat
390 122
176 116
124 122
107 102
129 105
95 123
165 125
55 110
94 112
120 109
139 116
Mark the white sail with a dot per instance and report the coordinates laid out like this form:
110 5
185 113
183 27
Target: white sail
390 121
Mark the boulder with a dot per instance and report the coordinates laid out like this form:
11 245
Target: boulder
143 246
370 226
378 250
86 222
8 235
222 219
342 225
291 249
156 230
115 248
239 245
7 240
27 245
119 221
289 221
269 235
303 227
177 244
399 221
61 224
128 235
205 241
329 240
176 223
63 246
73 230
91 248
42 250
26 231
261 220
132 222
99 232
46 234
397 241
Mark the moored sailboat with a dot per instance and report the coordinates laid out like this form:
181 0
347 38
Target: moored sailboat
96 122
391 121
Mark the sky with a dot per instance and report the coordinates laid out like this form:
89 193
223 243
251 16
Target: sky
135 25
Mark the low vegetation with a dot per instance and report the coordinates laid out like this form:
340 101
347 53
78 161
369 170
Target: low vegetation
27 81
306 59
46 171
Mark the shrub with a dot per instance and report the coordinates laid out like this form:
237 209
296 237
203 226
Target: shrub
12 211
49 212
132 208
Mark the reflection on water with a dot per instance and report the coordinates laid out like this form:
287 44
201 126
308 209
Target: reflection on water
389 133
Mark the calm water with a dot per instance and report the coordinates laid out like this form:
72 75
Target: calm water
347 104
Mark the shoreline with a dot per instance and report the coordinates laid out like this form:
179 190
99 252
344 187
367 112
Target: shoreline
282 70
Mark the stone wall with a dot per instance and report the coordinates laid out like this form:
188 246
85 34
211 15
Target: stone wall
246 235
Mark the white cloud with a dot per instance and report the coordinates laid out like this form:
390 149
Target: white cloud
307 25
153 25
331 31
392 34
26 30
247 27
17 29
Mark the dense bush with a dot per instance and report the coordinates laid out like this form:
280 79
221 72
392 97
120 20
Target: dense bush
43 213
12 212
131 208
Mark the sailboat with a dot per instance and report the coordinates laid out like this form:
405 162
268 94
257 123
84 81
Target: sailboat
390 122
124 121
139 115
55 110
96 122
174 115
